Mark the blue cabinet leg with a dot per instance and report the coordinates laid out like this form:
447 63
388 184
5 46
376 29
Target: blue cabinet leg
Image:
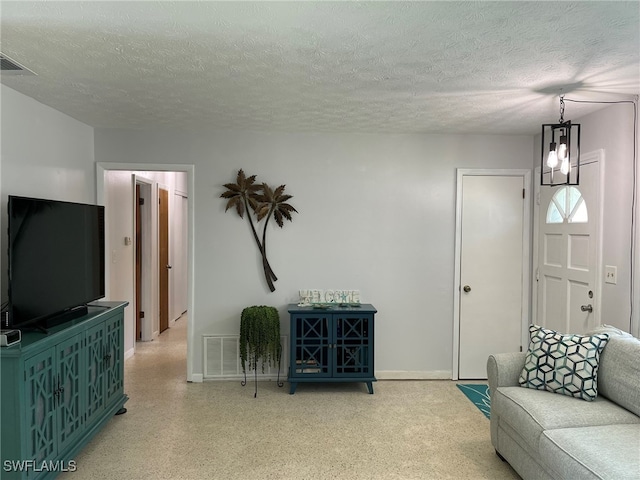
370 387
292 388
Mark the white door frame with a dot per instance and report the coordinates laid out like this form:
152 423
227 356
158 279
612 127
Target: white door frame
101 168
590 157
526 248
635 247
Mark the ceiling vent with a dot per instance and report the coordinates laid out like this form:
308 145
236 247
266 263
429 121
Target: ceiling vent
11 67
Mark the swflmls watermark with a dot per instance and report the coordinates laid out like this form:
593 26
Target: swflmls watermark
44 466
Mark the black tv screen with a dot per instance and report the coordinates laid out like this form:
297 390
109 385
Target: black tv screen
56 258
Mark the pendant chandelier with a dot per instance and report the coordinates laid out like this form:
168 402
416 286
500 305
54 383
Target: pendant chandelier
560 157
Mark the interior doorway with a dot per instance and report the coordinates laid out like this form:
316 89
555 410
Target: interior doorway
118 283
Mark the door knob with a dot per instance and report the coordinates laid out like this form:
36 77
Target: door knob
587 308
168 266
466 288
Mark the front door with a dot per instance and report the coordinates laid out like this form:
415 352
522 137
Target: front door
493 254
568 265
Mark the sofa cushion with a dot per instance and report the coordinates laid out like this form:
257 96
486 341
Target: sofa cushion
611 451
530 412
619 373
566 364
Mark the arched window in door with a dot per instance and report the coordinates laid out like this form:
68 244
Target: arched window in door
567 206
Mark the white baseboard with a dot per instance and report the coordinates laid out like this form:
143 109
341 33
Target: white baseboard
129 353
413 375
380 375
250 378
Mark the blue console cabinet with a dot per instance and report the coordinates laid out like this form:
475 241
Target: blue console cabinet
332 344
58 390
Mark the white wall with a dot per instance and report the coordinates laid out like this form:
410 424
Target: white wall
376 214
612 130
44 154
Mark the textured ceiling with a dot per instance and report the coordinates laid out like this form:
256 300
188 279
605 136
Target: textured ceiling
478 67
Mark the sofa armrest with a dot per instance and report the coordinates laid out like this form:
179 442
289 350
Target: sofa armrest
503 369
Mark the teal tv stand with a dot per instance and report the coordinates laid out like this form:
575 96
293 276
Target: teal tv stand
58 390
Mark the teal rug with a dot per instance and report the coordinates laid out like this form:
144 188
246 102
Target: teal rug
479 396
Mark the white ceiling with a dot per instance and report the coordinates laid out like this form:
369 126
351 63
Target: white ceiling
476 67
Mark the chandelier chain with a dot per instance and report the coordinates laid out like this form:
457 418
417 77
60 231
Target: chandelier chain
561 108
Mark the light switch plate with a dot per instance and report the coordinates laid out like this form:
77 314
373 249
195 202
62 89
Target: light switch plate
610 274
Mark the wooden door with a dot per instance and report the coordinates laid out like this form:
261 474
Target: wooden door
164 266
491 270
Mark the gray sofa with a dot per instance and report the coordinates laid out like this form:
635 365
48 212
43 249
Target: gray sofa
546 435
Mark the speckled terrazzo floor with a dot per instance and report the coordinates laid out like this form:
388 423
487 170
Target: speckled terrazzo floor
217 430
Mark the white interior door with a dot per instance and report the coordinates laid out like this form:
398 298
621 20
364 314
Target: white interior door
179 234
569 252
493 250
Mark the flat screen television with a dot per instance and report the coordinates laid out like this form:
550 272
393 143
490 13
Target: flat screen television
56 260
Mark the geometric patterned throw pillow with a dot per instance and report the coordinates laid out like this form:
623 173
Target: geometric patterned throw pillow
566 364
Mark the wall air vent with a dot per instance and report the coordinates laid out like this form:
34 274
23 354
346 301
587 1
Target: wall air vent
9 66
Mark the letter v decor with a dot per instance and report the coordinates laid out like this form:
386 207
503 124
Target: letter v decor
265 202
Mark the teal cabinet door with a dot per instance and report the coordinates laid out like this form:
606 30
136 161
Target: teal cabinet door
40 379
54 401
95 350
68 394
353 345
105 381
114 355
311 338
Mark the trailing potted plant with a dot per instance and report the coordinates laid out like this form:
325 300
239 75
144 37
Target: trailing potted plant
260 340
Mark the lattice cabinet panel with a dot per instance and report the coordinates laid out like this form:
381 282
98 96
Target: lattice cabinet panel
68 395
95 351
40 378
331 345
114 358
311 345
354 355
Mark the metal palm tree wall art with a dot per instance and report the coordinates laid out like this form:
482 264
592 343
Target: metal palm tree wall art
265 203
